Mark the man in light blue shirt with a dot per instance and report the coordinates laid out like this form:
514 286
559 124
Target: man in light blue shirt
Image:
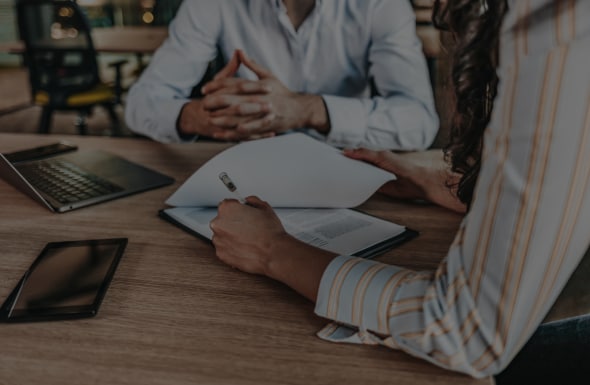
351 72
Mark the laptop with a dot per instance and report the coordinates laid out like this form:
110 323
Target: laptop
63 179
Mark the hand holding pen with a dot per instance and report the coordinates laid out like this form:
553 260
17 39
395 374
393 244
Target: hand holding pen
240 229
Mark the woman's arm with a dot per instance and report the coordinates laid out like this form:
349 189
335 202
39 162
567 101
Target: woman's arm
251 238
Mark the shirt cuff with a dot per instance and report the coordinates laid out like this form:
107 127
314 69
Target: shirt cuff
168 114
358 292
347 120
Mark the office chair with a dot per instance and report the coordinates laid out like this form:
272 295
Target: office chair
61 59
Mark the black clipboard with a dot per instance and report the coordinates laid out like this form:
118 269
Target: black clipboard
369 252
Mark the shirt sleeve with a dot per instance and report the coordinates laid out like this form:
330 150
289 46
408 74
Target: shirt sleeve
156 99
525 234
402 114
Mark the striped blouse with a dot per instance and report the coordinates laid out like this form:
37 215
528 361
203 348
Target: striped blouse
528 227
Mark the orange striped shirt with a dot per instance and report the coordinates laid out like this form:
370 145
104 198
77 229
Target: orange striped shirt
528 226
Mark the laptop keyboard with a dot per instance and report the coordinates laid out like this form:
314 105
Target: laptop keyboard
66 182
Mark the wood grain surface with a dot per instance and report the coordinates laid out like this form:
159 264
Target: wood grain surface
173 313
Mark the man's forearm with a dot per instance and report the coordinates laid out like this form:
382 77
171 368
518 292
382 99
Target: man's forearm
191 116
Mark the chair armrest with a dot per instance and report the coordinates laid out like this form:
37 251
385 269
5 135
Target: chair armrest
118 78
118 63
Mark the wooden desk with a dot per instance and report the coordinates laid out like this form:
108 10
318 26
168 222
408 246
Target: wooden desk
173 313
143 40
135 40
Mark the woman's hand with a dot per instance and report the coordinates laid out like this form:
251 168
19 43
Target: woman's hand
251 238
245 235
423 175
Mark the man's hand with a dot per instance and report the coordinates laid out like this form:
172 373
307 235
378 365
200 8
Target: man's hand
247 109
194 119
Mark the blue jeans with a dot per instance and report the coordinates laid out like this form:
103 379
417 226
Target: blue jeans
557 353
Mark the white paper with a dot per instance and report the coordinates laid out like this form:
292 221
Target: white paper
292 170
342 231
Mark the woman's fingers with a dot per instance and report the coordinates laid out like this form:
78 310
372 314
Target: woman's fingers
386 160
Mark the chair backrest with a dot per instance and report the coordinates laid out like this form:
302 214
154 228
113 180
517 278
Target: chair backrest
59 50
164 11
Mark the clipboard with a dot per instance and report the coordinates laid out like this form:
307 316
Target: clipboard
363 247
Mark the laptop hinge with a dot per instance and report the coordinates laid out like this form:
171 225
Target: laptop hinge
12 176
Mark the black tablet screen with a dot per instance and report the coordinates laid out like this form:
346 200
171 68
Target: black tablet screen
68 279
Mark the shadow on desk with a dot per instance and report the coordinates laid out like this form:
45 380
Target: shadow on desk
574 299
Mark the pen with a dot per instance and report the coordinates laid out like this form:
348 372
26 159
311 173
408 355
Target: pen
231 186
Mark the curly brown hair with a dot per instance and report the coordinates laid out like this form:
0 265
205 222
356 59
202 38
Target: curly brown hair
475 26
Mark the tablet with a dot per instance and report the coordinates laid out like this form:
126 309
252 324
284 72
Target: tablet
67 280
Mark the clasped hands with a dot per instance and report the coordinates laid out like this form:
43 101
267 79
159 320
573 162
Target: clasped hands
236 109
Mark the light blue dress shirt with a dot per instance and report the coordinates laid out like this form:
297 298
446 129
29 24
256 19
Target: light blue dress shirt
336 51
